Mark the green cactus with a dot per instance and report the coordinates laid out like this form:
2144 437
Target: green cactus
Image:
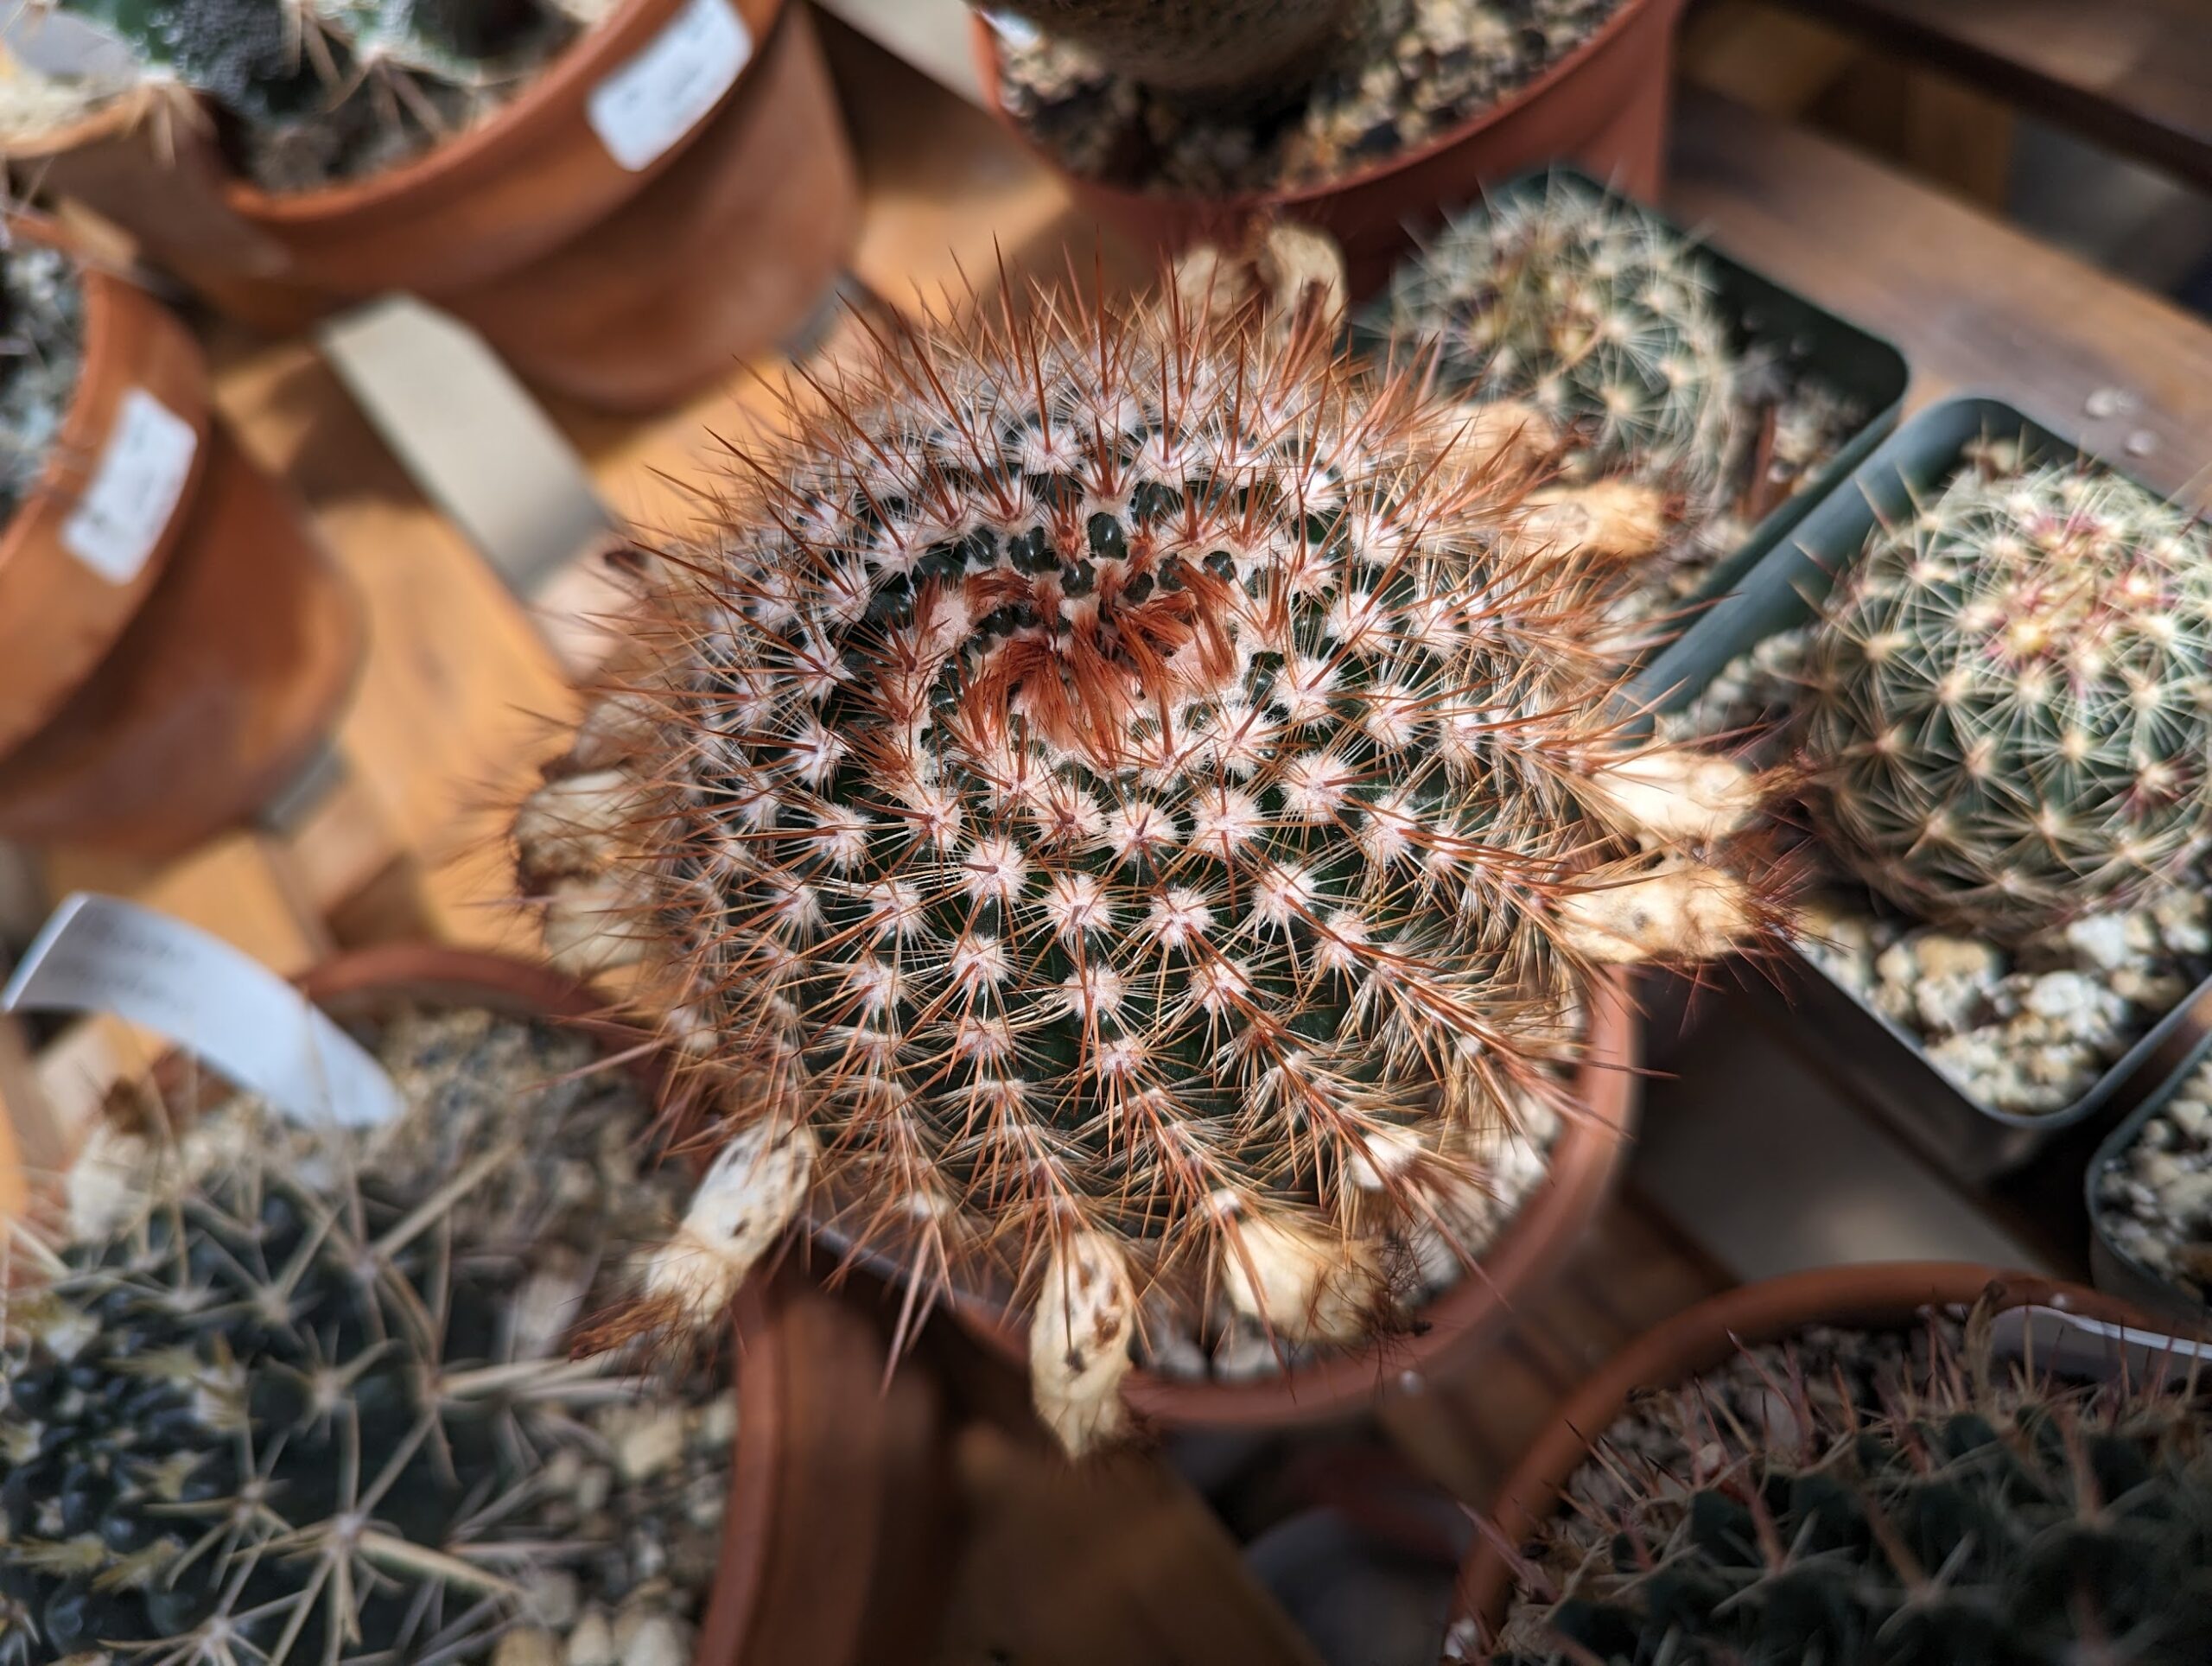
267 1425
41 346
1123 809
2008 710
318 89
1988 1518
1586 310
1255 47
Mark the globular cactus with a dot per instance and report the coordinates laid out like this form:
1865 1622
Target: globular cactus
1986 1519
336 86
1582 328
1249 47
2008 706
1120 814
41 346
266 1424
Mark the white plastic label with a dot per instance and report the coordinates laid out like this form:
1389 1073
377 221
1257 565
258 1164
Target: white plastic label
2073 1345
103 954
136 485
662 93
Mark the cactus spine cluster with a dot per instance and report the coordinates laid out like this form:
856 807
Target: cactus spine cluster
1985 1520
1124 814
266 1424
2009 707
330 88
1588 324
1214 47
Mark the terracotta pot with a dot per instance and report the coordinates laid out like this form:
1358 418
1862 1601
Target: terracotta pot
527 222
837 1529
727 253
1882 1295
60 614
1585 1162
156 712
1605 105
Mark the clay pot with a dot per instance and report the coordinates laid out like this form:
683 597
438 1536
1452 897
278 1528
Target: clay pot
1879 1296
1585 1162
836 1533
1604 106
142 710
607 284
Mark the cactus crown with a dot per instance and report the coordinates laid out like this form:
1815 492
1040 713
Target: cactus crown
1214 47
1982 1519
2010 704
1113 780
41 348
329 88
1594 315
266 1424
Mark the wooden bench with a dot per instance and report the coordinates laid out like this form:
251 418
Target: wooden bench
2134 75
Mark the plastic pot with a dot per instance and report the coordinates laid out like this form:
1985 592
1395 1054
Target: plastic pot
1763 317
590 235
2112 1268
1880 1296
1886 1063
175 644
1605 105
1534 1246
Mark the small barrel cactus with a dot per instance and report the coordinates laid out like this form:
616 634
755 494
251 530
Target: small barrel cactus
2009 701
1988 1518
325 88
1120 815
1245 47
1581 325
264 1424
41 347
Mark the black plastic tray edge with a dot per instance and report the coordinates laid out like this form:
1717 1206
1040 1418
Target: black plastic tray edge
1981 1142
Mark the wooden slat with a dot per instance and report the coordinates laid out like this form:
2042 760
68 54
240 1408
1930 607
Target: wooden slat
1975 305
2132 75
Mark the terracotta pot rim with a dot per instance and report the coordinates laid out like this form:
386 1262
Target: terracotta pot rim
1585 1161
985 42
1873 1295
587 59
104 292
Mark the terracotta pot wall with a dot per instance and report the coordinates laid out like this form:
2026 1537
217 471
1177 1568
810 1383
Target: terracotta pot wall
1605 106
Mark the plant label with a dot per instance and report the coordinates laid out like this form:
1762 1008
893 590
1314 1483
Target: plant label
135 488
665 90
103 954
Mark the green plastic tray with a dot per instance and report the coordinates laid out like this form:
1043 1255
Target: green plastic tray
1862 366
1885 1061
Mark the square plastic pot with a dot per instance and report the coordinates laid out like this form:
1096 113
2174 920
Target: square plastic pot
1883 1061
1867 369
2111 1267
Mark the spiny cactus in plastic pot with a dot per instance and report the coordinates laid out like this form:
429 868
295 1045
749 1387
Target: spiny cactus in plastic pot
2009 701
1582 326
270 1424
1986 1516
1120 814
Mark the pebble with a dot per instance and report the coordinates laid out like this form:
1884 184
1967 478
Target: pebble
527 1645
551 1596
592 1642
659 1641
653 1441
2154 1199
